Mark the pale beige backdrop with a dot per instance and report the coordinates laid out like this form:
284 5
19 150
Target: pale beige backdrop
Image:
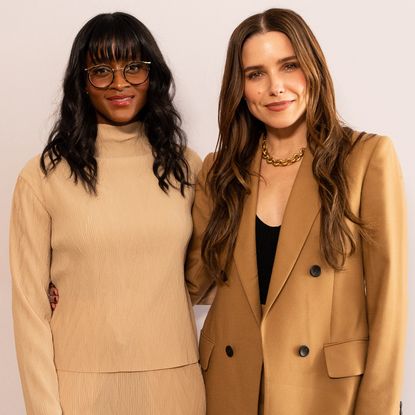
368 44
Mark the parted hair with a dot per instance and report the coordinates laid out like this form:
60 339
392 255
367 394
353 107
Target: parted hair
107 37
329 140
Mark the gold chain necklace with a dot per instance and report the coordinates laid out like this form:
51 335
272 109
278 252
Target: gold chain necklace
280 162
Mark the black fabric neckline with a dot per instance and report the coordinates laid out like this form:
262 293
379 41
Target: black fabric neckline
260 222
266 245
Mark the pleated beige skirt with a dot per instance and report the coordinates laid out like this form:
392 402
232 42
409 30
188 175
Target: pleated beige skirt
176 391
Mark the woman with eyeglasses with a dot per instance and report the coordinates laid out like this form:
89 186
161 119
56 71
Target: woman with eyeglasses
105 214
301 222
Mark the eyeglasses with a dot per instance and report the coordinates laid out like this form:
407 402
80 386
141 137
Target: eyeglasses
102 76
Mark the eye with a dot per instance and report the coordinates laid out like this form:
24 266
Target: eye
135 67
101 71
254 75
290 66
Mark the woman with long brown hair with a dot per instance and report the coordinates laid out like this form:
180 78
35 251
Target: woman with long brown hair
301 223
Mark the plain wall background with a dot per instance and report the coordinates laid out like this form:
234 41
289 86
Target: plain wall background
368 45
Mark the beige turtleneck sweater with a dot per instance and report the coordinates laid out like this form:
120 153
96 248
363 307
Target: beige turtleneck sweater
118 261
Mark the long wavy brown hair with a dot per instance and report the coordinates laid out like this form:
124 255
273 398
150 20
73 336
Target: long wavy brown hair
329 141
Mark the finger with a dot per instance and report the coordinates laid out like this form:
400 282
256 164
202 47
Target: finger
53 299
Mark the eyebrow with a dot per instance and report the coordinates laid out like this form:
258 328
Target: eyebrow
280 61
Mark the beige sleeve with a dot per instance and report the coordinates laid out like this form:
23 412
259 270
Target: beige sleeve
30 254
385 271
195 163
201 287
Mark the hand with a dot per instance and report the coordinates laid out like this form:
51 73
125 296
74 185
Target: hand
53 295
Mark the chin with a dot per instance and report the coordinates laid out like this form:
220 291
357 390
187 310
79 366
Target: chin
121 120
282 123
279 125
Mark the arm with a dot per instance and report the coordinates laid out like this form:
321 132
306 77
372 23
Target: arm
201 287
384 259
30 249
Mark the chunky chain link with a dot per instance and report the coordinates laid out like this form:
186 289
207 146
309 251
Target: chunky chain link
280 162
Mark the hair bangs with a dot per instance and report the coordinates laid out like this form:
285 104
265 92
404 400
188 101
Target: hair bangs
114 40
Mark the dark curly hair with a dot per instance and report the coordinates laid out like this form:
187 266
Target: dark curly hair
116 36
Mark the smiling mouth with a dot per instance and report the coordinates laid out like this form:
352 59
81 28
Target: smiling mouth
121 99
279 106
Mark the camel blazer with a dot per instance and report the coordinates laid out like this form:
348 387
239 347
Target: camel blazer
327 343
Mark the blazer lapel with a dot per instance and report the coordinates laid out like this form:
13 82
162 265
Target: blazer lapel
302 208
245 247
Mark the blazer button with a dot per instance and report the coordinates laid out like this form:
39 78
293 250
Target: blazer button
229 351
315 271
303 351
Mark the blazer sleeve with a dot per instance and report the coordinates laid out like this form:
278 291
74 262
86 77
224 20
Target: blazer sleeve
200 285
30 254
385 261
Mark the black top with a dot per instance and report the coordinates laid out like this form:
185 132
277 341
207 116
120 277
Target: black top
266 245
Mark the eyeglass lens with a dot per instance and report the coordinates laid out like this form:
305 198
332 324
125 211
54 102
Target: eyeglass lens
102 76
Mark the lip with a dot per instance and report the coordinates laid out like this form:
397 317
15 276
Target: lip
120 100
278 106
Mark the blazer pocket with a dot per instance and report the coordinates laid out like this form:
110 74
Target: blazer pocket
346 358
205 349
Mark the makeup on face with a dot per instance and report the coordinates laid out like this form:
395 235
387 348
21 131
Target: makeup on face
274 83
121 101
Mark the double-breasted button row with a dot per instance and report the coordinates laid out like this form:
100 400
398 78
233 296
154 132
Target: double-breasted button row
229 350
315 271
303 350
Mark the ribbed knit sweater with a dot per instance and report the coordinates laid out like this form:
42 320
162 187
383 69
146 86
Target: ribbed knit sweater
117 259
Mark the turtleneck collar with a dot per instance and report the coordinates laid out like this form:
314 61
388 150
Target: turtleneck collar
121 141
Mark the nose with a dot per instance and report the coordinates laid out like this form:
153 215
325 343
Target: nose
119 82
276 85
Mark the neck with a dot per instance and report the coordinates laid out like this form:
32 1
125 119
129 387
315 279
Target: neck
121 141
283 142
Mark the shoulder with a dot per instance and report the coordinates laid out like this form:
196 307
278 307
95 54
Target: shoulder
33 175
194 161
31 178
368 148
208 162
204 169
197 167
373 157
365 144
32 172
